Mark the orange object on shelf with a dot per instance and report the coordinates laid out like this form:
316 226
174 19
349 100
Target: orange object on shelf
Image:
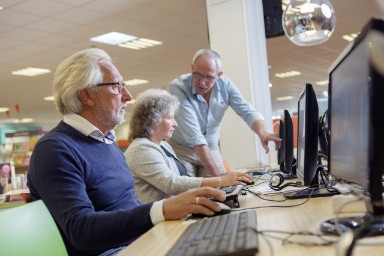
122 143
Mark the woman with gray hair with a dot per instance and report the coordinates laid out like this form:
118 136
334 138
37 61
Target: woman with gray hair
157 172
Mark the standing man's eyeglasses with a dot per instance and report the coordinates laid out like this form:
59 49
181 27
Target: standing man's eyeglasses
208 78
117 85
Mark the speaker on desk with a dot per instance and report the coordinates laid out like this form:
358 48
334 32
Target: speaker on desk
277 180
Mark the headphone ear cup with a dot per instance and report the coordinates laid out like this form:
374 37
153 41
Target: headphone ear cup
276 180
276 183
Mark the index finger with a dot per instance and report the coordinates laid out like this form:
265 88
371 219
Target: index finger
211 192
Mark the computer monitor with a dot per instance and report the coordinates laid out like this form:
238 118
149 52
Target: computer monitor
307 137
356 111
289 161
280 152
307 164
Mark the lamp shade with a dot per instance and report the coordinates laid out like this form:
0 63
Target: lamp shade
309 22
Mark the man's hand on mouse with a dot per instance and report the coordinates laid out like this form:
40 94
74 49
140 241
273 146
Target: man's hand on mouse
193 201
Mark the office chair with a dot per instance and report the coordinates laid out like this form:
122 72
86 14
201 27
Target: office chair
30 230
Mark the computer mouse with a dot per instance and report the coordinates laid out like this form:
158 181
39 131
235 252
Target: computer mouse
225 209
256 172
248 183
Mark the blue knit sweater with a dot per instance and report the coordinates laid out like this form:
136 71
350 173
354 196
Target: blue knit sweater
89 190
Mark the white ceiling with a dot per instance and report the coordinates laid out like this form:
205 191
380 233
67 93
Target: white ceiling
42 33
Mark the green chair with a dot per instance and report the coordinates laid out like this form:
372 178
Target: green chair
30 230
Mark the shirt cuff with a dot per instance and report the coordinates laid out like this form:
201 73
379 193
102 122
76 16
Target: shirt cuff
156 212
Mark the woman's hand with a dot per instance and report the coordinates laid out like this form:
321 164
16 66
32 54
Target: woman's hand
232 178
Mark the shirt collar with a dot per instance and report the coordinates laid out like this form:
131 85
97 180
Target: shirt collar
88 129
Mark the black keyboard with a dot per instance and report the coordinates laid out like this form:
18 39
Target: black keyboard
230 234
232 192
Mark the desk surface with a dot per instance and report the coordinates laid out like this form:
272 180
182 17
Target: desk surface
306 217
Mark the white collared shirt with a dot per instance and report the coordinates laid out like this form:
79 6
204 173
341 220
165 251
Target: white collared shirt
85 127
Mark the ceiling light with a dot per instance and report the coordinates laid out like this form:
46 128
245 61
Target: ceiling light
49 98
10 121
269 85
324 82
1 8
350 37
288 74
4 110
31 72
17 121
131 46
113 38
140 43
325 94
26 120
134 82
283 98
309 22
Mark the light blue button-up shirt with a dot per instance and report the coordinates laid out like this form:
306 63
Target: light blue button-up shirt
200 123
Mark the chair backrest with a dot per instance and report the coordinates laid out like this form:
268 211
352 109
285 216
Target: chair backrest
30 230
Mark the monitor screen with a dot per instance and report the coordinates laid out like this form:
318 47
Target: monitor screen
349 110
356 110
307 136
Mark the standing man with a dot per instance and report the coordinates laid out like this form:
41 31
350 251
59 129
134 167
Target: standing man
81 175
204 97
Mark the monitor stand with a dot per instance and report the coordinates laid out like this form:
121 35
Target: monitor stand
373 228
306 193
289 176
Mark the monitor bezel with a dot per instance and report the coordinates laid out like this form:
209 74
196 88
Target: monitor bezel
281 151
375 151
289 160
311 131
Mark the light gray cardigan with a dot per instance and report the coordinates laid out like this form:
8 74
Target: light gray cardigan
156 175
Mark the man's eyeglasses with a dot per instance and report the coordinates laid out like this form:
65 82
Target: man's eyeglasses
118 86
208 78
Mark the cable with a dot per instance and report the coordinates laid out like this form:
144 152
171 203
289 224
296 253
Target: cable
337 217
270 247
274 206
257 195
288 239
349 239
323 116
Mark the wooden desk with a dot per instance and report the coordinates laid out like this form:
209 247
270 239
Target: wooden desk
307 217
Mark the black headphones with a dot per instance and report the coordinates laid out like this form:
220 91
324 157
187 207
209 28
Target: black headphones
276 183
324 135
